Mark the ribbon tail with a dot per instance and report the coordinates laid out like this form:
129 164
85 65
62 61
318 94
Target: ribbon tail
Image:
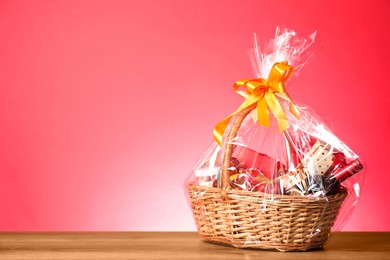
219 128
277 110
293 109
262 112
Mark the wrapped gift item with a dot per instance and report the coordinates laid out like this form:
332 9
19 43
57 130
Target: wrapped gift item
276 176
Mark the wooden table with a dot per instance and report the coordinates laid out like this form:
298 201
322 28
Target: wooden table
175 245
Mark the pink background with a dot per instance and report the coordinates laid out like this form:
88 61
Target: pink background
106 105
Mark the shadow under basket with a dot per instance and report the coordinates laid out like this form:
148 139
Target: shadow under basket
259 221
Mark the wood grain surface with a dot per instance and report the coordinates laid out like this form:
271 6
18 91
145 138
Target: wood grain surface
175 245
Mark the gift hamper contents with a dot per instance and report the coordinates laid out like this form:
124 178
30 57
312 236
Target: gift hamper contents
276 176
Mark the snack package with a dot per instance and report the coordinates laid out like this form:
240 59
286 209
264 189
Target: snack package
276 177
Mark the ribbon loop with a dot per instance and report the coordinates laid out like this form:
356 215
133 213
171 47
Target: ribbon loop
263 92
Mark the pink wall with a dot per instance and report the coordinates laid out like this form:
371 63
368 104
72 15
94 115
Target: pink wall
106 105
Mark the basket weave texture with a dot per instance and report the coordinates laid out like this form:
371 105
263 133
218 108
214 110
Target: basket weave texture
247 219
256 220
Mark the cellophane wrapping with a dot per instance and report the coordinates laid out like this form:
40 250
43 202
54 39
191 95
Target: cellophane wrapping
286 190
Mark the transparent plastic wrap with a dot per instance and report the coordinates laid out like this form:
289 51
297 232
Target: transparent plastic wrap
276 177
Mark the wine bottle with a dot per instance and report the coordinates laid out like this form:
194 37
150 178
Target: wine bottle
343 171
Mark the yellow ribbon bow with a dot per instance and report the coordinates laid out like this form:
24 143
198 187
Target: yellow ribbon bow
263 92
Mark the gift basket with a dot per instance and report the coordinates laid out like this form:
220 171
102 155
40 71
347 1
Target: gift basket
276 175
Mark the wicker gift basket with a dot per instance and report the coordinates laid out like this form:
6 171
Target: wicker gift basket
247 219
285 203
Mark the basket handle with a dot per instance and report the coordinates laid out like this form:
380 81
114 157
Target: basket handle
236 124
